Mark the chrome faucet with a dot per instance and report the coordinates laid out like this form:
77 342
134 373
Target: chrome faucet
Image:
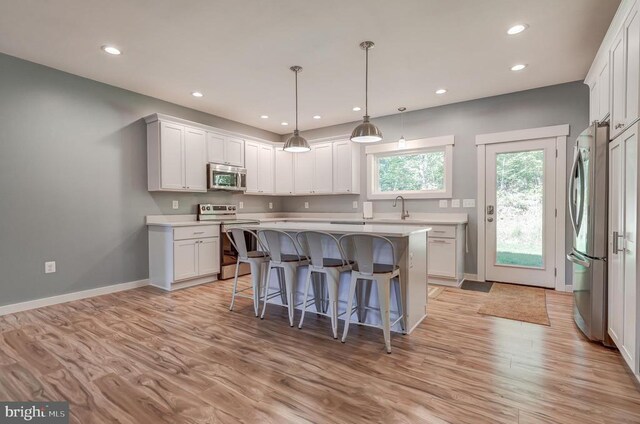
405 213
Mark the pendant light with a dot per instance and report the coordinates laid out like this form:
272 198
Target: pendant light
402 143
366 132
296 143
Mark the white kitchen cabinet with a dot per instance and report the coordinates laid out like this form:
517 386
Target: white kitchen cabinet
617 86
446 251
183 256
323 168
185 259
259 163
194 158
175 157
265 169
623 292
603 95
304 171
442 257
283 171
632 66
346 167
225 149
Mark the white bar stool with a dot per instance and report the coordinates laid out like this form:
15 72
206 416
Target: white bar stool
318 245
384 275
256 259
286 265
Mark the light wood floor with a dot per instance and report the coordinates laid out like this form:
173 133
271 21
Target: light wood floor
143 356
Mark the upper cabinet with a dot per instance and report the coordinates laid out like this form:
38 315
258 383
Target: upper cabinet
283 181
614 77
175 157
313 170
224 149
346 167
259 163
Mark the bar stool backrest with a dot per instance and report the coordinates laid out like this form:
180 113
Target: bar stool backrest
237 237
276 242
364 249
318 245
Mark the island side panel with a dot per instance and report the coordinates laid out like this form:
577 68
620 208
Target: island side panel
414 265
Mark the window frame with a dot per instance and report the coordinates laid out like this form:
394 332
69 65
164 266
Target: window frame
437 144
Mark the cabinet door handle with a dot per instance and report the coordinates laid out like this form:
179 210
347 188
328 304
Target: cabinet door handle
437 231
616 246
438 241
198 232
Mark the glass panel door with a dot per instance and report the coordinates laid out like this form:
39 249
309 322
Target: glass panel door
520 208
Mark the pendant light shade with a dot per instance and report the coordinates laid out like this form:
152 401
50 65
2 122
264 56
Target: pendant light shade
366 132
296 143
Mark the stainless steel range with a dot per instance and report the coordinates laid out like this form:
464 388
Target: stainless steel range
226 216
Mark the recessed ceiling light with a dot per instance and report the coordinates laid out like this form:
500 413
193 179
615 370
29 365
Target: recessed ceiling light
284 123
197 94
518 67
357 109
516 29
111 50
317 116
264 116
441 91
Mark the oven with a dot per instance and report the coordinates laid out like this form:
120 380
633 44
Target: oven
225 177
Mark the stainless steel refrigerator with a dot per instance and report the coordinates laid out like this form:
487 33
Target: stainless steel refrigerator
588 185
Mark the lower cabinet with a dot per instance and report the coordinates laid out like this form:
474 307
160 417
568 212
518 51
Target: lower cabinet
623 294
183 256
446 244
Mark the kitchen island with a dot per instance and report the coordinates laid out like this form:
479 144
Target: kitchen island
410 242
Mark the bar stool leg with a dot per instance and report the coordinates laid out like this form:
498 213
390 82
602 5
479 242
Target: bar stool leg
307 283
235 286
347 319
332 287
383 297
256 277
266 292
289 281
397 286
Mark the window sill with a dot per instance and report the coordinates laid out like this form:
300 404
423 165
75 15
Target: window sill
391 196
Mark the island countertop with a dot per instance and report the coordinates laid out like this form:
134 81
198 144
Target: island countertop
389 230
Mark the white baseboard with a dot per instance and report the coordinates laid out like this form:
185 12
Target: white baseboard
63 298
473 277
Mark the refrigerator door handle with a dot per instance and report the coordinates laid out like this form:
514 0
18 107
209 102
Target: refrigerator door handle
572 192
576 260
580 211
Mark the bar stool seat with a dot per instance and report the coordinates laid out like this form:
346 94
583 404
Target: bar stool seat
380 268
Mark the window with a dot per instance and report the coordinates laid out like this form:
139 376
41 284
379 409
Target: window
421 170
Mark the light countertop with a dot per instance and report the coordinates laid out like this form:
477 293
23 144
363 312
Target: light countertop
389 230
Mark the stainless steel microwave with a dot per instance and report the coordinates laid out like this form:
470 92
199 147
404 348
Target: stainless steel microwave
225 177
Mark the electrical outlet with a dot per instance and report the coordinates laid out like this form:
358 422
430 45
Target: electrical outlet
270 205
469 203
50 267
355 204
455 203
443 204
175 204
240 205
306 205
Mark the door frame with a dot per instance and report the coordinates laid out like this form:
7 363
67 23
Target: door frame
560 133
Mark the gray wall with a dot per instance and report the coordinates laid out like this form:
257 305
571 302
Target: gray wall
554 105
73 181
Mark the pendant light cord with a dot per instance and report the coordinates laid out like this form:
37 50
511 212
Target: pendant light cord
366 83
296 100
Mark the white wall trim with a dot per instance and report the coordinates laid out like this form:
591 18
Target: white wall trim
560 197
519 135
419 143
68 297
561 208
472 277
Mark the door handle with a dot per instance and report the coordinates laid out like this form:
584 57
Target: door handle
490 210
573 258
490 219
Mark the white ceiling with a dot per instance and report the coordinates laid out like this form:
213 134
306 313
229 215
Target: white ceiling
238 52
